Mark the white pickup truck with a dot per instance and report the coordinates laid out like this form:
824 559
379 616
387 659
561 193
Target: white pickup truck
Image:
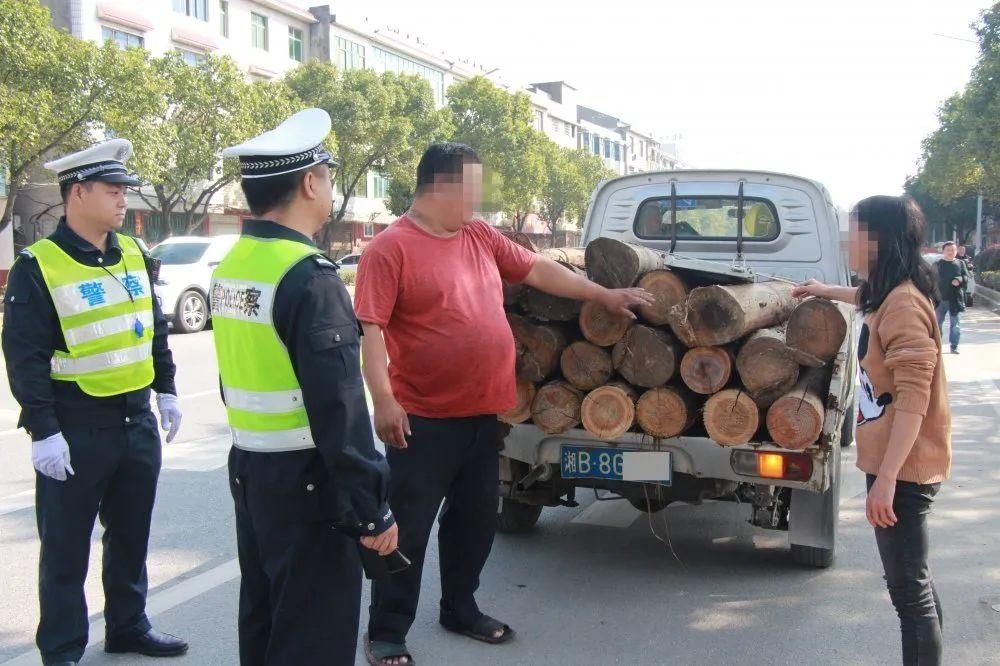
791 230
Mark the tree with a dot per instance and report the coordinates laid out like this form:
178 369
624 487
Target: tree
498 125
206 107
58 93
381 122
956 217
570 177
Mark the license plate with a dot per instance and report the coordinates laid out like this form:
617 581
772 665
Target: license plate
584 462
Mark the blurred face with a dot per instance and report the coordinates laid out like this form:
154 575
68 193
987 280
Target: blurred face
97 204
472 190
862 247
949 252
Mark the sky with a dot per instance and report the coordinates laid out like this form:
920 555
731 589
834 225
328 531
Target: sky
842 92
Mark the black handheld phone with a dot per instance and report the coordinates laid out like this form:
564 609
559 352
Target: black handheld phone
376 566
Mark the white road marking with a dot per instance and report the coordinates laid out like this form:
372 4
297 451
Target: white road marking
157 603
17 502
612 513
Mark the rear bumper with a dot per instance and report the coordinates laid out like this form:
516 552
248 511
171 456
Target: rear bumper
699 457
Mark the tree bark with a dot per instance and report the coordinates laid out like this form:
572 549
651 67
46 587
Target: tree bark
731 417
568 256
521 412
707 370
668 288
720 314
586 366
548 307
511 293
556 407
646 356
795 420
766 366
667 411
608 412
538 348
602 327
615 265
816 330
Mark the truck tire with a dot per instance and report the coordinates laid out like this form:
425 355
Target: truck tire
651 506
807 556
515 517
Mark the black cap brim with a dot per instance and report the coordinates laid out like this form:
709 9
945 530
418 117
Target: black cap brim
118 179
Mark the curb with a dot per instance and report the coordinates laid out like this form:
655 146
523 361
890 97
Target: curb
988 298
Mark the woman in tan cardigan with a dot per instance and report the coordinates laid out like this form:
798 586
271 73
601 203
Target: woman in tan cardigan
904 423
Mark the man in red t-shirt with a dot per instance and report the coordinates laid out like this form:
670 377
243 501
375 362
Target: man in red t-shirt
430 299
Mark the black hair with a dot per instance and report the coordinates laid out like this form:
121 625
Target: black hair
267 194
444 159
65 188
948 243
898 226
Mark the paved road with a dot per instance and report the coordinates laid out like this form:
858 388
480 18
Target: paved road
592 585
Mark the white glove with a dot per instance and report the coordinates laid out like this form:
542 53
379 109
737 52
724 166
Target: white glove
50 456
170 414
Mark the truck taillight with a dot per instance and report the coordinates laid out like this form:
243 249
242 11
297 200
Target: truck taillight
772 465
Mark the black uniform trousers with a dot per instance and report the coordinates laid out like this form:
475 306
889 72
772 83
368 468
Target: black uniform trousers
300 592
455 460
117 463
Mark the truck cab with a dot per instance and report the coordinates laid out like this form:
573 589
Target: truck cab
790 231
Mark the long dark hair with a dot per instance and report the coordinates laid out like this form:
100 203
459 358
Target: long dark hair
898 225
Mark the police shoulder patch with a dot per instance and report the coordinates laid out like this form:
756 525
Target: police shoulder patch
323 261
26 253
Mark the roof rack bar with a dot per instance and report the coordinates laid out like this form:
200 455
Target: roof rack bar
673 216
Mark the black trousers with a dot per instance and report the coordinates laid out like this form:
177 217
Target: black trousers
117 467
454 460
904 548
300 592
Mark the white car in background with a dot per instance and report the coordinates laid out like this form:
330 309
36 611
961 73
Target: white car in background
349 262
186 269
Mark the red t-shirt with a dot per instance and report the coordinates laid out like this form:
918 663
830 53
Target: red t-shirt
439 302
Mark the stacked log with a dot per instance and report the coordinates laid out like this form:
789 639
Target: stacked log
740 363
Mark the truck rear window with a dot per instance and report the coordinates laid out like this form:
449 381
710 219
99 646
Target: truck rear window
708 218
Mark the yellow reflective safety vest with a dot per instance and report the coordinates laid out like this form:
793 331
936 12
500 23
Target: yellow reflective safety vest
106 317
263 396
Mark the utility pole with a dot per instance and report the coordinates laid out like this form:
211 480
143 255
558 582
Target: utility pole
979 224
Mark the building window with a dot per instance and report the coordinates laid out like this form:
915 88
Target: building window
387 61
3 181
539 121
194 8
295 44
258 31
607 148
381 187
190 57
350 55
369 230
568 129
584 139
618 152
597 145
125 40
224 17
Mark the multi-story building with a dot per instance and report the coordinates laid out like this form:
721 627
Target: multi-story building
555 108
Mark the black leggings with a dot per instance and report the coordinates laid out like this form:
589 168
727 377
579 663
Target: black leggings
904 548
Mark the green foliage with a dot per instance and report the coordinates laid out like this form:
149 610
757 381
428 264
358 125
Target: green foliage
400 197
990 279
381 122
988 260
348 276
498 126
206 107
952 216
570 177
57 92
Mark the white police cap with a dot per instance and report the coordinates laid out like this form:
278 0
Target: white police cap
293 145
104 162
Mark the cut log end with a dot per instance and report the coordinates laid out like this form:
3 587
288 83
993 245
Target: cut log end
521 411
601 326
538 348
646 357
706 370
615 264
816 330
666 412
668 289
766 367
731 417
608 412
586 366
556 408
795 420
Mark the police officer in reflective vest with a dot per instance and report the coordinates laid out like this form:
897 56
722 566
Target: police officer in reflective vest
84 341
305 477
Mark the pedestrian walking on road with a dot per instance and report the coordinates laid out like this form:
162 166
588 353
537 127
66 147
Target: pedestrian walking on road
904 420
430 298
952 283
306 480
85 340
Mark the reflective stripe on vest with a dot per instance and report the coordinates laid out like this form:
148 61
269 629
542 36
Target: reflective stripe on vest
100 309
263 397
